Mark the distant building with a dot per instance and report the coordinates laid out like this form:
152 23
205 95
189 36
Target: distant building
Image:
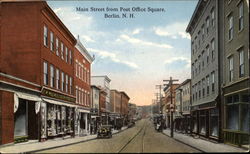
124 106
167 105
104 83
131 111
183 107
82 69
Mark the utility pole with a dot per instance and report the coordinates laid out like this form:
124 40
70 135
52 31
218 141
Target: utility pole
159 87
170 83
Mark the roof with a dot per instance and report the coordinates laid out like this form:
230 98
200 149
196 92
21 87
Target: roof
83 51
101 76
122 92
192 23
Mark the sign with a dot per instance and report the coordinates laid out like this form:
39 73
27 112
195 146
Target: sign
37 107
16 103
53 94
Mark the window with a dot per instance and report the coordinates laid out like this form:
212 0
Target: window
70 57
85 74
199 67
67 83
230 31
212 81
207 85
62 80
51 41
230 68
193 70
57 47
79 71
212 17
207 54
70 85
207 23
212 46
52 76
241 21
66 54
45 73
62 49
241 67
76 95
199 41
203 58
196 90
203 87
57 79
45 36
203 32
199 86
76 68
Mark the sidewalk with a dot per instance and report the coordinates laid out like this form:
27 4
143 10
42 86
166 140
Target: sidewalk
203 145
32 146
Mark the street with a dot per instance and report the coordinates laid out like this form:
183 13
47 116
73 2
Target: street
138 139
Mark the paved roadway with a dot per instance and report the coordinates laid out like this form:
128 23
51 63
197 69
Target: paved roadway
138 139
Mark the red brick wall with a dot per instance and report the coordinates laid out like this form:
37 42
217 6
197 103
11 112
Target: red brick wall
80 82
102 104
50 56
20 41
7 117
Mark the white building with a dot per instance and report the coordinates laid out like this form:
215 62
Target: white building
103 82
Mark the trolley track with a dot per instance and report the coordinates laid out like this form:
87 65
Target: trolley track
142 130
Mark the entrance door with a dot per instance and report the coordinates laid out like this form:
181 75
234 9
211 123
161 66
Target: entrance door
32 121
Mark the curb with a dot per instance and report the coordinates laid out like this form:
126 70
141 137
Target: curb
33 151
185 143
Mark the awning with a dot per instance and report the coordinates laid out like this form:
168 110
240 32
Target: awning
28 96
83 110
57 102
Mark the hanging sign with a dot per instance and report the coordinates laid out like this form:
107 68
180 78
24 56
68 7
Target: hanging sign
37 107
16 103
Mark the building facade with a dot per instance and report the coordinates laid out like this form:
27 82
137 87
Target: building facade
124 107
104 83
36 73
82 68
169 102
205 28
236 72
183 106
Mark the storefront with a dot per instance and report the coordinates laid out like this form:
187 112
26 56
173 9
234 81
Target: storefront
82 122
26 117
57 118
237 124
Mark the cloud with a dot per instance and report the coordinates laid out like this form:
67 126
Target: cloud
87 38
179 59
106 54
142 42
136 31
173 30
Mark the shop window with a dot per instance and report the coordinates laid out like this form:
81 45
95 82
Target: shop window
232 121
214 116
202 122
245 123
20 119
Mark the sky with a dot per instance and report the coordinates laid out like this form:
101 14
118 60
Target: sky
135 53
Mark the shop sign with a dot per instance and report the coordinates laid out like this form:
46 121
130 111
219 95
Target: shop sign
52 94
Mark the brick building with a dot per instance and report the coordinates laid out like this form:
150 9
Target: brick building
167 102
36 73
124 106
82 69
